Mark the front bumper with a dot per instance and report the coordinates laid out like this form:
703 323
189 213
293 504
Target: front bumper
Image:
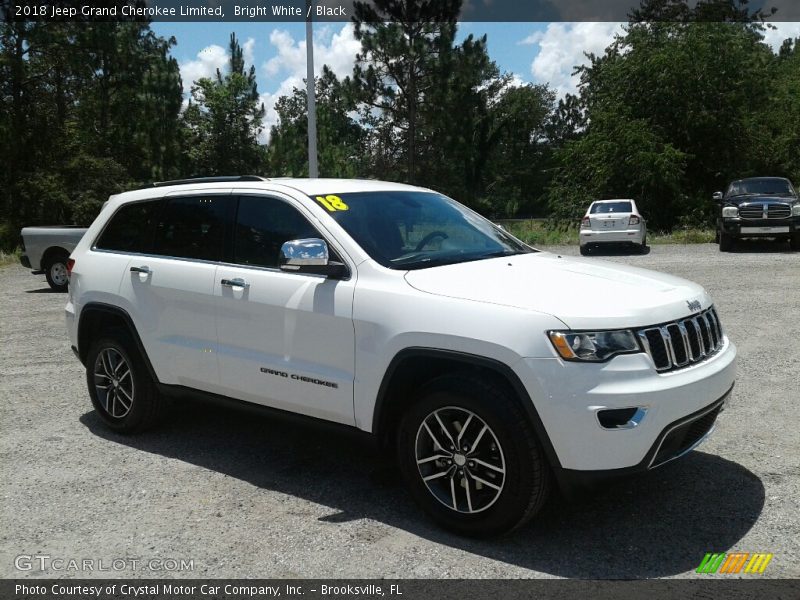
738 227
594 236
569 398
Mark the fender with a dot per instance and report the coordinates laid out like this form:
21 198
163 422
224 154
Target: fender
115 311
382 403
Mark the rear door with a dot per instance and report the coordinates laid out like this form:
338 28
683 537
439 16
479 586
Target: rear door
286 340
171 289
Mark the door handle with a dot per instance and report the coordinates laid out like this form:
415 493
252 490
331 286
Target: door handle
238 282
144 269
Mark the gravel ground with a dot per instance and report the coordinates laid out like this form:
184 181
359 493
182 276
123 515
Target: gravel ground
245 496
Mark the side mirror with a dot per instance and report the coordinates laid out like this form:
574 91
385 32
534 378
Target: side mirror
717 196
309 256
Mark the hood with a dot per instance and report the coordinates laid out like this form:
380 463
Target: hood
583 293
760 199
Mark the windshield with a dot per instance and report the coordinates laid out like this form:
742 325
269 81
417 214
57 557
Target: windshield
611 207
415 230
773 187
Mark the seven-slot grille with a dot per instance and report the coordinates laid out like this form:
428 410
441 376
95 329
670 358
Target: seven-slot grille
682 343
773 211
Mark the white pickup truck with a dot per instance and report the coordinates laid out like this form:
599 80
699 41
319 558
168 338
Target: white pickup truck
45 250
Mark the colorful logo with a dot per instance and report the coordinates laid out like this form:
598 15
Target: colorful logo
734 562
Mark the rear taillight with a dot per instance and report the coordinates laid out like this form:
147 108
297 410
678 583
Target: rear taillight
586 223
634 220
70 264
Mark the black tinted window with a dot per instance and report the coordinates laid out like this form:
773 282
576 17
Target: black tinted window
131 228
262 226
611 207
193 227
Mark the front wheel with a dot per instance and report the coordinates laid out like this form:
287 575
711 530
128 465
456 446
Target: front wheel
471 458
725 242
794 241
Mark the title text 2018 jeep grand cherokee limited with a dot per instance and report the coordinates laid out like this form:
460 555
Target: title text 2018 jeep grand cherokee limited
494 370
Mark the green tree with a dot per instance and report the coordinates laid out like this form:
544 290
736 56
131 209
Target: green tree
404 57
340 138
224 121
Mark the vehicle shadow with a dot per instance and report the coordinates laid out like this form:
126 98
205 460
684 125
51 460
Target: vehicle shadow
45 290
761 246
622 250
658 524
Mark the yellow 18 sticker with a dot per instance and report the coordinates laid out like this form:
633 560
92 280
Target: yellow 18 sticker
332 203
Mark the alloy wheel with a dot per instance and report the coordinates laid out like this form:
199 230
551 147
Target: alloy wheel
113 382
460 459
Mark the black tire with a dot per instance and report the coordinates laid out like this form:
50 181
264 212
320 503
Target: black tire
523 486
144 401
55 270
794 241
643 246
585 250
725 242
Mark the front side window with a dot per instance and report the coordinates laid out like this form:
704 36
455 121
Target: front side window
193 227
130 229
611 207
263 225
415 230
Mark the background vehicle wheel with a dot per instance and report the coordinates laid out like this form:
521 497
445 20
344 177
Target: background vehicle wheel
643 246
55 270
471 458
585 250
725 242
122 391
794 241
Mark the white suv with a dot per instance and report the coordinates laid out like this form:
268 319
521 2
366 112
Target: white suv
613 222
493 370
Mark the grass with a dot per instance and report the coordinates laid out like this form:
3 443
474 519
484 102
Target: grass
8 258
538 233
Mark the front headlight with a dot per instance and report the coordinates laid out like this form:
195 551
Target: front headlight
593 346
730 211
796 209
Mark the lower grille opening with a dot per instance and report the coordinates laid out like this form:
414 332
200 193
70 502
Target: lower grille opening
616 417
683 437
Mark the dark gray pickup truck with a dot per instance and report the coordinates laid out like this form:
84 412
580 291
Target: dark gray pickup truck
761 207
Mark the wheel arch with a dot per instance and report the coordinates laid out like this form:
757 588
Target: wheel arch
50 253
412 367
95 317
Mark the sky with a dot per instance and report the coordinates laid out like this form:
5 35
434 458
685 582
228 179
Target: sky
532 52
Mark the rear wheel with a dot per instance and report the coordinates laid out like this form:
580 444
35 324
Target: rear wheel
471 458
643 246
122 391
55 270
725 242
585 250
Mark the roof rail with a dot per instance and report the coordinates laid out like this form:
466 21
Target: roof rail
220 179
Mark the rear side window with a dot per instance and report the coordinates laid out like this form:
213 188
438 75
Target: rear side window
263 224
193 227
130 229
611 207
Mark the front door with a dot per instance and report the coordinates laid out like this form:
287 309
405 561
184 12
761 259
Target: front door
286 340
